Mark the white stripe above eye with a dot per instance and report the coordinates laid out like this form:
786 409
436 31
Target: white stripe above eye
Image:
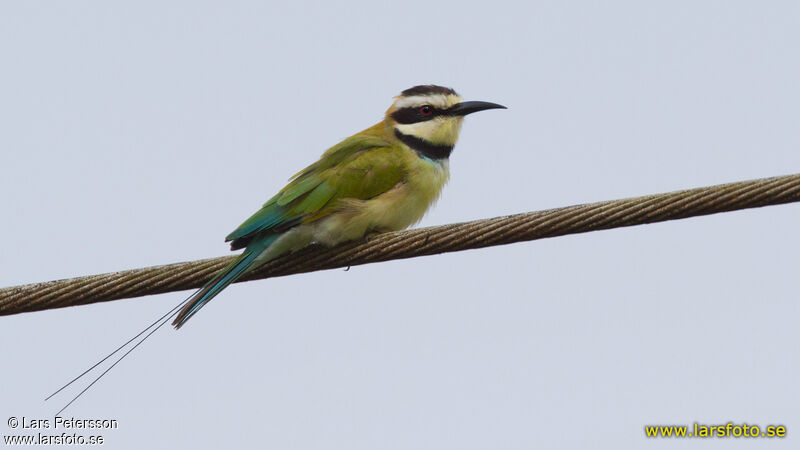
437 100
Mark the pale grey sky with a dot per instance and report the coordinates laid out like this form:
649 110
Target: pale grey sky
142 133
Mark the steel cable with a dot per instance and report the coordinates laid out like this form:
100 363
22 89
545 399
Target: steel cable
411 243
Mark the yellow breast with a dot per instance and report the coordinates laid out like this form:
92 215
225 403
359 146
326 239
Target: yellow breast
395 209
407 202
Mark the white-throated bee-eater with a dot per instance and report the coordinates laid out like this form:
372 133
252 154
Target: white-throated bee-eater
381 179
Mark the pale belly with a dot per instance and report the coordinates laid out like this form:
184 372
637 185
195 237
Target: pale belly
396 209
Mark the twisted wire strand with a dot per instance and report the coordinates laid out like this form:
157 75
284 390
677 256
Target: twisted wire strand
408 244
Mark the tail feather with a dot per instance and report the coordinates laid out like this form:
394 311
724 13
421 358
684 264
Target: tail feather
228 275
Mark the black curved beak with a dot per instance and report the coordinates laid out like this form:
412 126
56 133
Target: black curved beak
464 108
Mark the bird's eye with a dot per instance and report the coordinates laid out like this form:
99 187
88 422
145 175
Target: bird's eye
426 110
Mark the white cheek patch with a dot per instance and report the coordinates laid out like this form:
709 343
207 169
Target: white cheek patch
424 130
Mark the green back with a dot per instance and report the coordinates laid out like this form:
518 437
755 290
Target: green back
360 167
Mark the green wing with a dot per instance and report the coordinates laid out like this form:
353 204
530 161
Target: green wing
360 167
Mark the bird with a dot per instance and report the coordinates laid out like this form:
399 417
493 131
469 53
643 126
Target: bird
378 180
382 179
